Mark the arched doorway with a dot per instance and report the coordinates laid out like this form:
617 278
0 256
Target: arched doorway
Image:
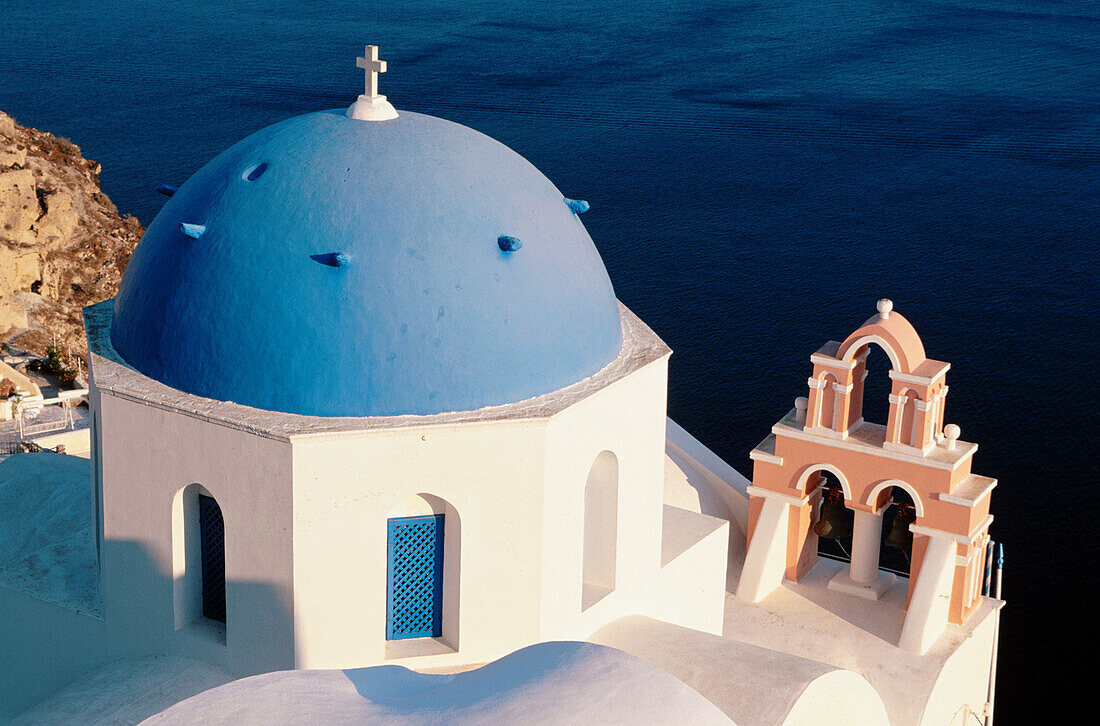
198 557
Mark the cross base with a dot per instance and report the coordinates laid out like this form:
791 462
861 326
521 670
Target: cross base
371 108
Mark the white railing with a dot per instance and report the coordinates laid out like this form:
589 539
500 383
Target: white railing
27 431
66 399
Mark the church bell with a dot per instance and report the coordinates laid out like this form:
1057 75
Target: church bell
900 538
835 521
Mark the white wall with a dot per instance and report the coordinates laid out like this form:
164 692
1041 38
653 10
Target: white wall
148 456
48 648
518 490
348 485
964 678
306 531
626 418
690 589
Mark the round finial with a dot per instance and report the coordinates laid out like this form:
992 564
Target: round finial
800 405
951 432
884 308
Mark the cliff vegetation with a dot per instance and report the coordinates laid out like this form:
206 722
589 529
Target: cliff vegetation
63 244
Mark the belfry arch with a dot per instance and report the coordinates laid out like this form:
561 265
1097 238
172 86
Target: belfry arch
805 478
877 498
858 348
898 512
915 413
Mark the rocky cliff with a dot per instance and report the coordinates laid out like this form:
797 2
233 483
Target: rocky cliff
63 245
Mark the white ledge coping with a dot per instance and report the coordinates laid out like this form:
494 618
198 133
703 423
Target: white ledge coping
765 451
834 363
868 438
921 380
970 491
963 539
788 498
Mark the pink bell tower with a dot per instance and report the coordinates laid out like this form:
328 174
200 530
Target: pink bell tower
913 451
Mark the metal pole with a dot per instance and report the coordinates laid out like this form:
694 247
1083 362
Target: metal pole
996 638
986 589
1000 568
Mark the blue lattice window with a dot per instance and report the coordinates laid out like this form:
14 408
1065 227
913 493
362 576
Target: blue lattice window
415 578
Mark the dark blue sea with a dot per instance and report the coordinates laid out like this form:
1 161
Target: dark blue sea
760 174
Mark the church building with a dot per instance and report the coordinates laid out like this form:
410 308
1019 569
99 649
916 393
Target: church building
366 397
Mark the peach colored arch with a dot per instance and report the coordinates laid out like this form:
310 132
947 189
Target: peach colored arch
813 468
896 335
857 344
907 390
878 488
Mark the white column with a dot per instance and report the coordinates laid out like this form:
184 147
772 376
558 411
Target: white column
866 539
929 606
766 558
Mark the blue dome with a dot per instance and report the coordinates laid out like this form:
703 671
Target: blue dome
337 267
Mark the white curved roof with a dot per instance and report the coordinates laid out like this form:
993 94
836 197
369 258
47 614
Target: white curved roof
548 683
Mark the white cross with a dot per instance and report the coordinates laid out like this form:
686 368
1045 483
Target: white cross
373 67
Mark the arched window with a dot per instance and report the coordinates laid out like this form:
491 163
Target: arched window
907 412
827 408
212 558
424 534
601 515
198 559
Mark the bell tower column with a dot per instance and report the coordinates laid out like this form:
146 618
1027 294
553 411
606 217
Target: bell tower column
866 533
863 578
